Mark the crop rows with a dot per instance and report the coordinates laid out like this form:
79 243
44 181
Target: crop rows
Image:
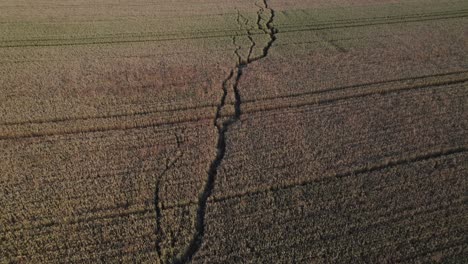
233 131
363 217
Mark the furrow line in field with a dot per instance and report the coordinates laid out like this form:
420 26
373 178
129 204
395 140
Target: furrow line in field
453 205
324 101
298 28
159 232
463 75
127 212
95 215
117 115
196 107
251 106
336 194
371 168
93 175
380 217
326 178
308 240
78 220
158 130
117 41
137 36
110 127
348 21
104 211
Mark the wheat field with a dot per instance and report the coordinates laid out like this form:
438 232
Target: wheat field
247 131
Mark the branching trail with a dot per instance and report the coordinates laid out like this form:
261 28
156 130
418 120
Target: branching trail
223 123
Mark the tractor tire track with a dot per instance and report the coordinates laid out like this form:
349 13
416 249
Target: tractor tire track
158 205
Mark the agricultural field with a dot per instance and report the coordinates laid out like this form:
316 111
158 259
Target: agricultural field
247 131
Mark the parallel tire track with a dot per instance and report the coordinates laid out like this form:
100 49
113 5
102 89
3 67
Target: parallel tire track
288 29
444 153
251 106
158 204
205 106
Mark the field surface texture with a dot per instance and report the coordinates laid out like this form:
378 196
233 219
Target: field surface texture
247 131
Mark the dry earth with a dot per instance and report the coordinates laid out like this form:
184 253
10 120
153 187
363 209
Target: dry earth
310 131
